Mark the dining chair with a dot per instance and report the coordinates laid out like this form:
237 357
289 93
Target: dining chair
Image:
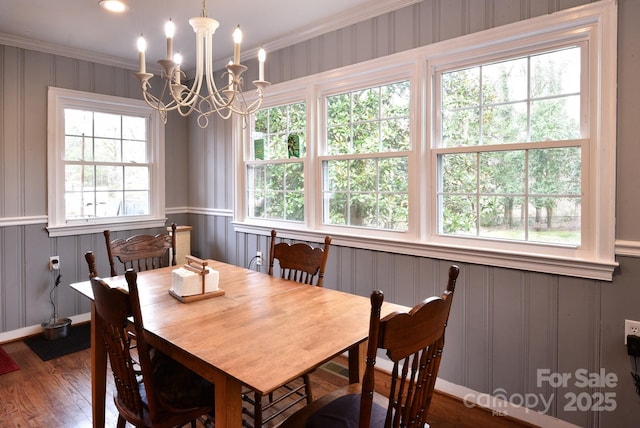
299 262
161 393
141 252
413 341
302 263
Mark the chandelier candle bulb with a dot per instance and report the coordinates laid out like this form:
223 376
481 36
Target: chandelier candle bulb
177 59
169 30
237 39
262 56
142 46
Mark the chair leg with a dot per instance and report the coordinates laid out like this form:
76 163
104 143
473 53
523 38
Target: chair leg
257 412
121 422
307 387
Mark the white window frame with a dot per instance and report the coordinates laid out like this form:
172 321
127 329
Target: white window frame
60 99
594 24
364 79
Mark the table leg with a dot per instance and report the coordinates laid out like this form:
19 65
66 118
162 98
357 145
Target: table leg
356 362
98 371
228 402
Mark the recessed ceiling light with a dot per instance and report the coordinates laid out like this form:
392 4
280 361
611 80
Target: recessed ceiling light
117 6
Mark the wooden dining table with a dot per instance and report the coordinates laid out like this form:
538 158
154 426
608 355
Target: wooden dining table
262 333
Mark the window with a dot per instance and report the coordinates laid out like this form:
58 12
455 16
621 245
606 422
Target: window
105 163
495 148
510 148
366 164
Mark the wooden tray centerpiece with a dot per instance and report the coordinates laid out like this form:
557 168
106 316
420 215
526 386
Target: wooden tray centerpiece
196 266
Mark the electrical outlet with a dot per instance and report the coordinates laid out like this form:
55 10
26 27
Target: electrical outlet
259 258
54 263
631 328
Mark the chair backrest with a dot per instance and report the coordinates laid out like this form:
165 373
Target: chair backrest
141 252
414 342
299 262
114 307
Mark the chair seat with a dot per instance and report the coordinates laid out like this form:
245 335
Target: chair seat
343 412
338 409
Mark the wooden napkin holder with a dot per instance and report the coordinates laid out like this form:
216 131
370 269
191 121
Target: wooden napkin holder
199 267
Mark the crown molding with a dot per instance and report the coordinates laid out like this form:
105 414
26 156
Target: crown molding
349 17
55 49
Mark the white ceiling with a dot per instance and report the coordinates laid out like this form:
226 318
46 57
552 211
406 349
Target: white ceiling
80 28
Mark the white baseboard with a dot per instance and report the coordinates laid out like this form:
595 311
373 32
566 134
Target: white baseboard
500 407
21 333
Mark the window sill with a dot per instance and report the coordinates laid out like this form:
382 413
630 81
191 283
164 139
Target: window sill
99 227
588 268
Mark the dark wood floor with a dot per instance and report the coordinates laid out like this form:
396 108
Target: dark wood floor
57 394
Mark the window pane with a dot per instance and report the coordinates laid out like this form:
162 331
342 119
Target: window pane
461 89
555 220
335 212
109 177
395 135
395 100
73 177
335 174
555 119
107 125
135 203
393 175
134 128
555 171
107 150
370 120
502 217
505 124
338 109
366 105
394 211
339 140
459 173
503 172
461 127
458 215
507 81
555 73
78 122
136 178
134 151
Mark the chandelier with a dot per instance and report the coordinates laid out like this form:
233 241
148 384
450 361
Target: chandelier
202 97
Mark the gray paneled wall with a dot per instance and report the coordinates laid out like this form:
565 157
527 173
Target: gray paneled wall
505 324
